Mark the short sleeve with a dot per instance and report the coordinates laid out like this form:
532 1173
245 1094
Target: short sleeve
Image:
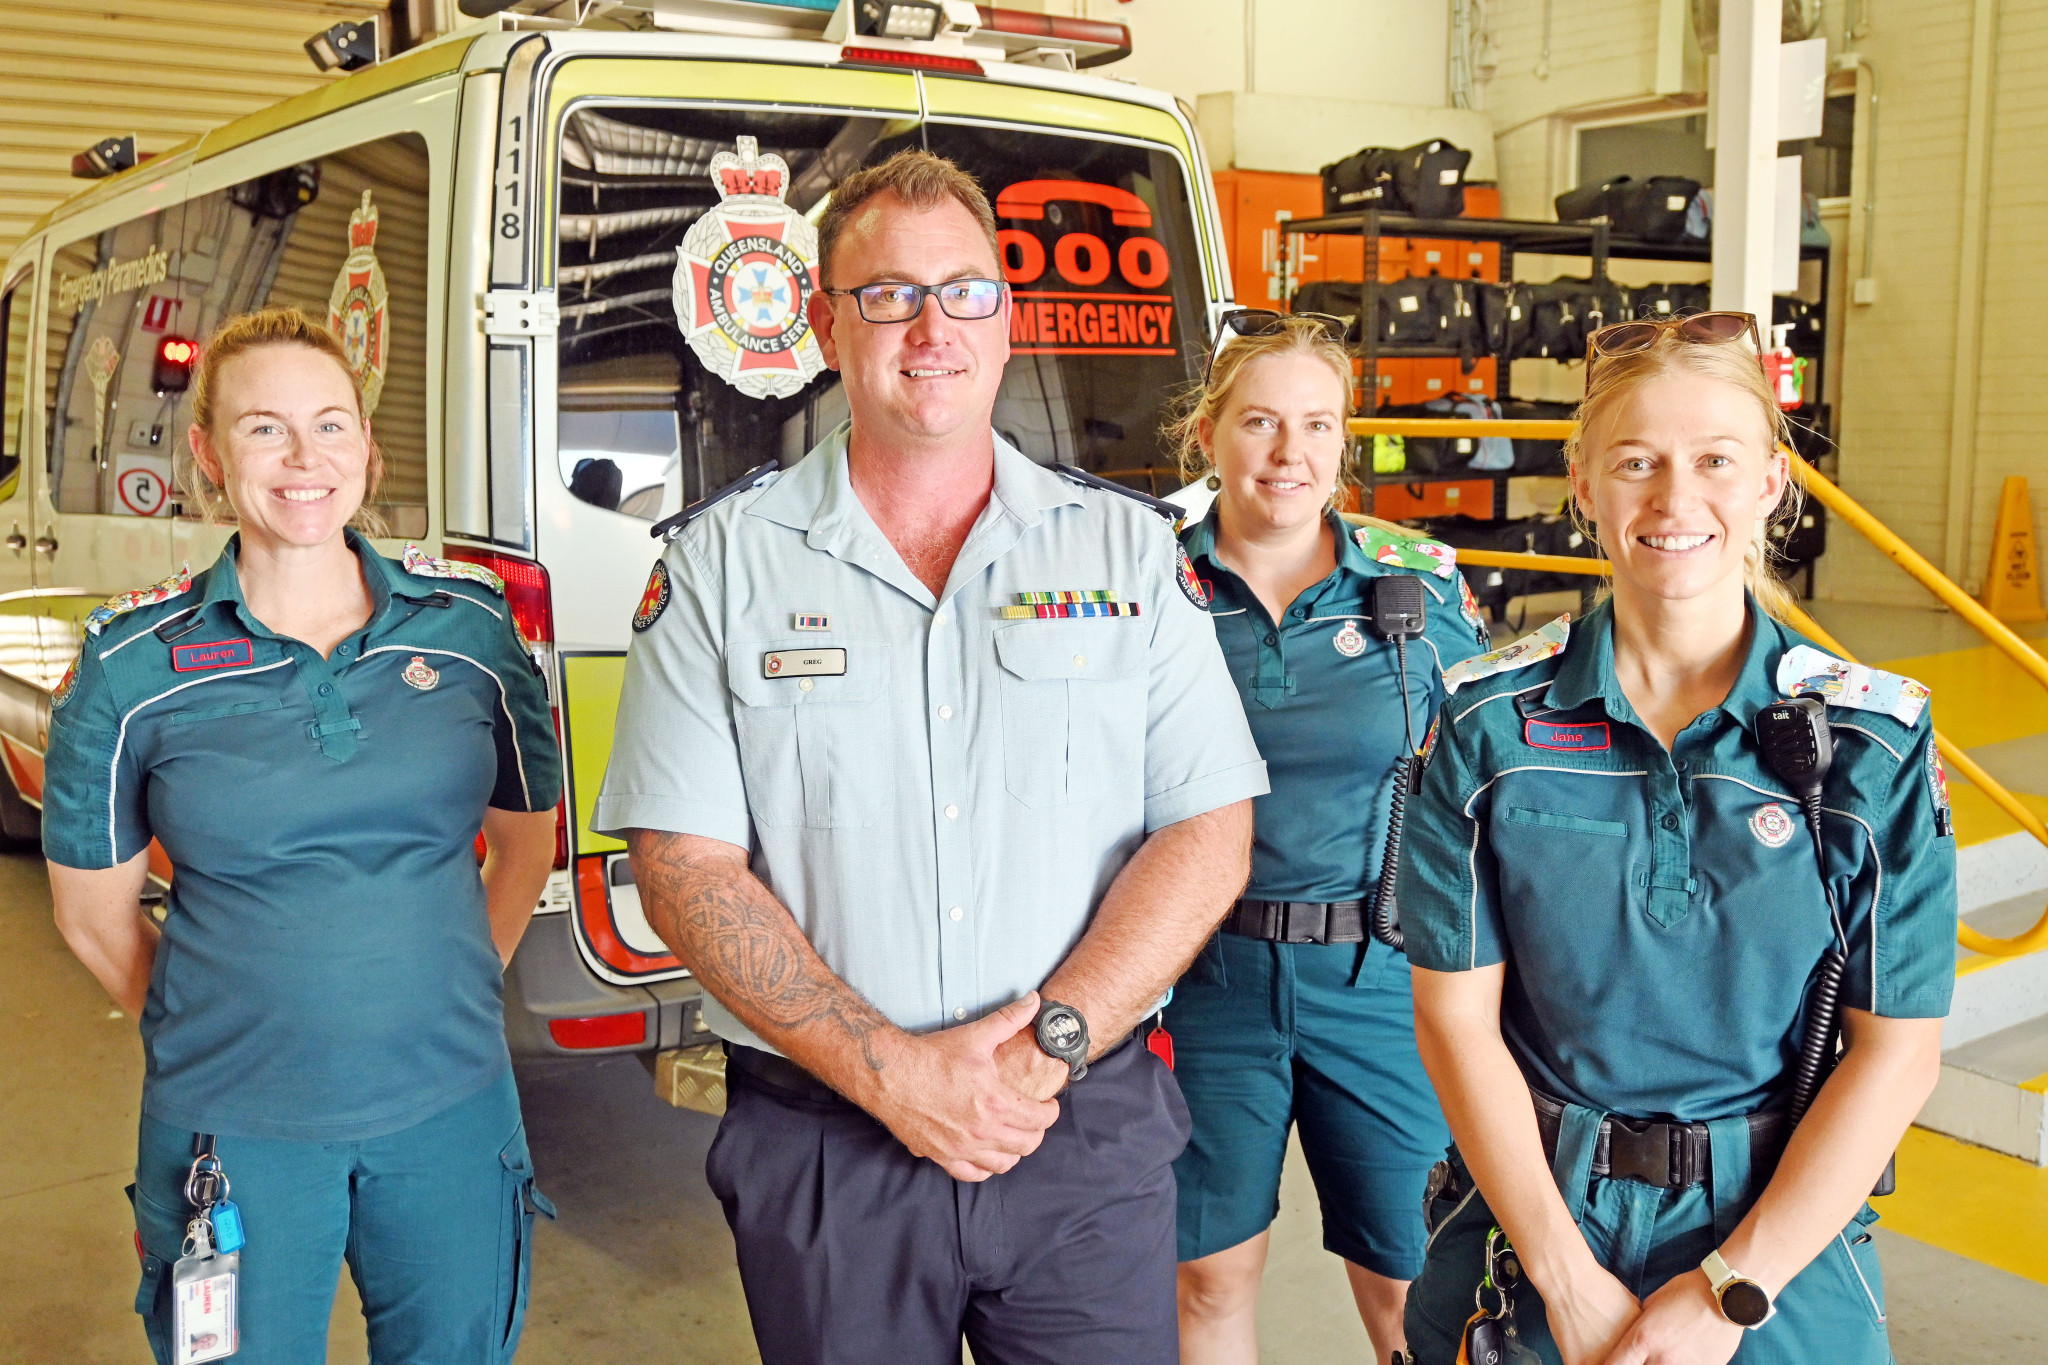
1903 965
675 762
1448 630
1199 752
529 754
94 810
1449 894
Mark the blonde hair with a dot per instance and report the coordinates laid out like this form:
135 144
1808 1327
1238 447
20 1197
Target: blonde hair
1205 402
251 332
1616 379
919 179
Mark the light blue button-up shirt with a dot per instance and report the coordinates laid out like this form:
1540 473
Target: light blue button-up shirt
943 817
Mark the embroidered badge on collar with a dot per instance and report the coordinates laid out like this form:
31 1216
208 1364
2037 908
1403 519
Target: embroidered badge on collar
218 654
1540 644
1841 683
177 585
67 685
1348 641
1937 785
418 674
1772 827
1407 552
414 560
1190 585
654 600
1569 739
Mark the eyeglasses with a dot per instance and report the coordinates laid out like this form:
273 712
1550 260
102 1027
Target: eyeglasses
900 300
1264 322
1701 329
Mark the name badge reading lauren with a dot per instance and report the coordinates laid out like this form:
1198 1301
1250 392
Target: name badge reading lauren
803 663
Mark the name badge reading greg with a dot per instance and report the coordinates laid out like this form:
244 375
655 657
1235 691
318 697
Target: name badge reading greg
803 663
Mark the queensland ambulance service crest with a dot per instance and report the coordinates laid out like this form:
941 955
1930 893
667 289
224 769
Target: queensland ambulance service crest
744 278
1772 826
358 311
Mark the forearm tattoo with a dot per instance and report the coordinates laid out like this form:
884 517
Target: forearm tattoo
745 948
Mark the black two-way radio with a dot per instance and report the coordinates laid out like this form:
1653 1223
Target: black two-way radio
1397 615
1799 748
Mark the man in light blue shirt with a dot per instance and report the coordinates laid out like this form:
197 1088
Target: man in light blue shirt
935 848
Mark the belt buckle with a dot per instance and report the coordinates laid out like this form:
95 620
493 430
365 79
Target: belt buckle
1298 916
1643 1154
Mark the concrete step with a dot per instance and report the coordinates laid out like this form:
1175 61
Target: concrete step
1995 993
1992 1092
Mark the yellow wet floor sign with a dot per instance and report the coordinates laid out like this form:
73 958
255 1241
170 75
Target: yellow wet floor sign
2012 589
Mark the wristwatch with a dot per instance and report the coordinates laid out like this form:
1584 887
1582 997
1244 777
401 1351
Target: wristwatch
1743 1301
1063 1035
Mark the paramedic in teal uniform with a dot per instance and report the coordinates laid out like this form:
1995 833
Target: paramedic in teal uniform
1617 920
1292 1015
315 734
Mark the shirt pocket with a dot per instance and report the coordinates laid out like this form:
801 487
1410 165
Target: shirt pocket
224 711
814 751
1550 819
1073 701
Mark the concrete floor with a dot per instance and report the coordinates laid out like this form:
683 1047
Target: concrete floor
640 1268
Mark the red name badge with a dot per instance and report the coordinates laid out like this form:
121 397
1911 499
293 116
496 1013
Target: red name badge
1570 739
219 654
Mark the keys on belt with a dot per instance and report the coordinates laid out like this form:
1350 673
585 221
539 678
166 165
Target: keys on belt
1298 921
1667 1155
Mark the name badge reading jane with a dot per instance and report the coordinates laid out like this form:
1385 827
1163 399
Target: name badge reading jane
803 663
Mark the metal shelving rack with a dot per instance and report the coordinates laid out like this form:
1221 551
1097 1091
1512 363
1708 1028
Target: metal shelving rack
1594 241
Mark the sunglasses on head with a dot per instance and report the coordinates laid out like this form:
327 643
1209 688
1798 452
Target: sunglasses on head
1264 322
1699 329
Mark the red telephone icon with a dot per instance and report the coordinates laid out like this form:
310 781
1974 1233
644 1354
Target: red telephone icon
1027 199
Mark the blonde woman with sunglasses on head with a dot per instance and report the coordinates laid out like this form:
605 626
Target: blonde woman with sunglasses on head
1654 853
1294 1016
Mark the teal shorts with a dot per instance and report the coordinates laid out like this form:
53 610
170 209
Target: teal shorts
1320 1036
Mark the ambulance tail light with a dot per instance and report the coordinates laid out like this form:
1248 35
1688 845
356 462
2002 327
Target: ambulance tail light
923 61
600 1030
526 590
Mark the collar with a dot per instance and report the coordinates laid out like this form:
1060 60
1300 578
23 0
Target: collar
816 496
382 576
1199 541
1587 672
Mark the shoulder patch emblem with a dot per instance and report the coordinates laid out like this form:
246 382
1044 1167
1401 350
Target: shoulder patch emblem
653 601
1468 606
1424 556
120 604
1542 643
1191 586
1937 784
1804 669
66 685
414 560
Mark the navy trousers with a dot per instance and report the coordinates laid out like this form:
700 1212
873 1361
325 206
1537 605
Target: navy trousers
435 1222
855 1252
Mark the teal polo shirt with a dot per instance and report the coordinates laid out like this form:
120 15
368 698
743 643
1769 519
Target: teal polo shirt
1323 695
1660 912
326 969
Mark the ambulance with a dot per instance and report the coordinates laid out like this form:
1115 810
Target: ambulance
569 261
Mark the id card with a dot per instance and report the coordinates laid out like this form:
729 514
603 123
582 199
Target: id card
203 1292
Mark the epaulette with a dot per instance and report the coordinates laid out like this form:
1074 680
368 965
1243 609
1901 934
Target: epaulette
121 603
668 527
1406 552
414 560
1170 511
1804 669
1544 642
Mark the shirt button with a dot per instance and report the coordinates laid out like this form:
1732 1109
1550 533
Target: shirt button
1670 821
1080 661
345 649
325 688
1272 639
804 686
1300 613
952 812
945 713
957 914
960 1012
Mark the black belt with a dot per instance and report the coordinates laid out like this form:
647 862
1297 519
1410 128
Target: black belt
1298 921
780 1074
1669 1155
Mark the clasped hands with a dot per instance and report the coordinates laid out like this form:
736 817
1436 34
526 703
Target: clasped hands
1599 1322
976 1099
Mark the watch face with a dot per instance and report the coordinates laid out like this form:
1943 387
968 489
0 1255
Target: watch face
1745 1303
1061 1032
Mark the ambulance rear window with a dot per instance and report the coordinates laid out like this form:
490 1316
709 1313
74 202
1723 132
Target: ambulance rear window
686 253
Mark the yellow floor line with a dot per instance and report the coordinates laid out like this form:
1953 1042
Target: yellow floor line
1972 1201
1980 696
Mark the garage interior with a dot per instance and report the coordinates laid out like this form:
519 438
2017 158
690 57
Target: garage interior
1912 330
